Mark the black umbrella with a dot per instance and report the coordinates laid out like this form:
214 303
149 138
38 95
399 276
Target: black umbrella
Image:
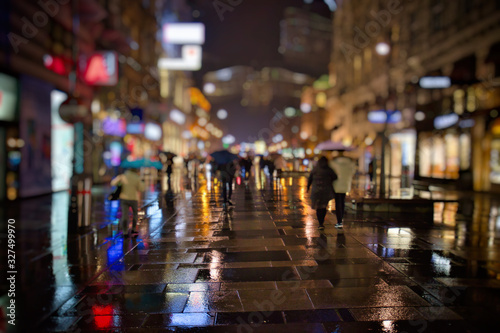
223 157
168 155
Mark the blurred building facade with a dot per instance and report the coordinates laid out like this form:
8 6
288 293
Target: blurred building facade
105 53
437 132
260 103
305 40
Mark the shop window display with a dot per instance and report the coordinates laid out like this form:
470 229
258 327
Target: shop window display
495 161
445 156
452 156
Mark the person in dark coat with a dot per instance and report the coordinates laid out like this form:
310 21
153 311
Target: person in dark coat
247 165
321 179
270 167
227 172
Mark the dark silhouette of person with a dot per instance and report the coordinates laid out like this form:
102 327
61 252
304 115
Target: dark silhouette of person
321 179
227 172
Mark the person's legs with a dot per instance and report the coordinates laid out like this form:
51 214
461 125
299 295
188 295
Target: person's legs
342 206
338 208
134 204
224 180
125 204
320 214
230 184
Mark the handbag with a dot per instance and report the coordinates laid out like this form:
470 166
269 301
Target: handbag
115 195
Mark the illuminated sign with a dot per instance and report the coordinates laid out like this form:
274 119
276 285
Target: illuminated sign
190 36
8 97
190 61
445 121
99 69
184 33
115 127
58 64
382 116
435 82
135 128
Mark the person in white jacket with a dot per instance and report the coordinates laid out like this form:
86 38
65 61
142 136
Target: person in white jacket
345 168
132 186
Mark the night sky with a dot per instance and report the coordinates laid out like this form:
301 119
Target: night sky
247 35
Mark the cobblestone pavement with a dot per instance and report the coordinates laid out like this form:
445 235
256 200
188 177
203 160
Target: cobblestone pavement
264 266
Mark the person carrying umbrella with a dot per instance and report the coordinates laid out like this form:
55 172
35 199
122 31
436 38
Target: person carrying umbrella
280 164
246 165
227 168
321 179
345 169
132 185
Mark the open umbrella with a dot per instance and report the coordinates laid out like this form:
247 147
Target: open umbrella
167 154
223 156
333 146
141 163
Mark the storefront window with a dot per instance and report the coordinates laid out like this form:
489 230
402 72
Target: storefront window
402 156
425 155
452 156
495 161
438 157
444 156
465 149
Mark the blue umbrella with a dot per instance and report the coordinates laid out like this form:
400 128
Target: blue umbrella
141 163
223 157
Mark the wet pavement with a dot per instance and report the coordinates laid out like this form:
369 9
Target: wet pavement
262 266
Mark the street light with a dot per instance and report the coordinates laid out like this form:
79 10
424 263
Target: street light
383 49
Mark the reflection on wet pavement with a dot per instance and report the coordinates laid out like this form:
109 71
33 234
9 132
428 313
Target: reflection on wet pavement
262 265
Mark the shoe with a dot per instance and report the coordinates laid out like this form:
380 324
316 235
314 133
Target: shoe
339 225
321 227
229 202
224 206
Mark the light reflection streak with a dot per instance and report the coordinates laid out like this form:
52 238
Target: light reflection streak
441 264
388 326
216 259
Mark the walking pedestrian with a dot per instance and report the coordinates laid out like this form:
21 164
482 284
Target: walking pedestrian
132 186
345 168
247 166
169 170
321 179
227 172
280 164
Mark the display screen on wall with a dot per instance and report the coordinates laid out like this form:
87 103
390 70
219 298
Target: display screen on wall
8 97
61 145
